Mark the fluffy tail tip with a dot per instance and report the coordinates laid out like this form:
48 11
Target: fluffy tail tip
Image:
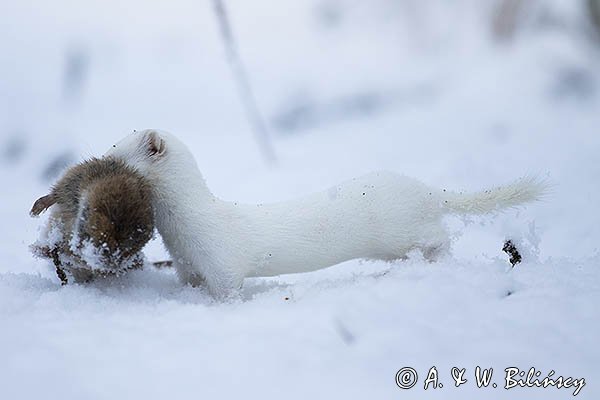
535 188
524 190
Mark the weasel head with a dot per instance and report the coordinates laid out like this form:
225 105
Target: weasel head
157 155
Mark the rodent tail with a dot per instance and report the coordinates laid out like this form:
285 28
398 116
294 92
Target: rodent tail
522 191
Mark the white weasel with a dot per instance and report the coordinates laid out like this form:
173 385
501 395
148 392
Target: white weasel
378 216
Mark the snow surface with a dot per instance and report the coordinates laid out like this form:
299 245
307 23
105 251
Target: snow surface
417 89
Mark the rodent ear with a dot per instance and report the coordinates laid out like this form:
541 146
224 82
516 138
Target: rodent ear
155 145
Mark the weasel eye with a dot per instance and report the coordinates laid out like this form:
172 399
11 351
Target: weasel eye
114 145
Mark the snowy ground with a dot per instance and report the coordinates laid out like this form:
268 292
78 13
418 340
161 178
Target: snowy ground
380 85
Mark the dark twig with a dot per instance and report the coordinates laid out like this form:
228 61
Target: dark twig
510 249
506 18
162 264
59 270
594 11
245 90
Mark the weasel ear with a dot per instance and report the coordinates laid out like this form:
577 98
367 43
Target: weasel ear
155 145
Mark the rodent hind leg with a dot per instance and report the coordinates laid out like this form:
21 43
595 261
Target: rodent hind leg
82 275
42 204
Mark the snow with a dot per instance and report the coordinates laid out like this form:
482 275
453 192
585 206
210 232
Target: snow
394 86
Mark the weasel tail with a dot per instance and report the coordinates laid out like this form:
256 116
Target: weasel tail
522 191
217 243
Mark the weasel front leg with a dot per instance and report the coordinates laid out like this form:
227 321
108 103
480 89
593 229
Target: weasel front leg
224 285
220 283
187 276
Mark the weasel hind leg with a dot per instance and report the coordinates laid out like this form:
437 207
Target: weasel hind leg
436 242
434 252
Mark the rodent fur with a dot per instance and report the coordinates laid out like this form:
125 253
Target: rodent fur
105 202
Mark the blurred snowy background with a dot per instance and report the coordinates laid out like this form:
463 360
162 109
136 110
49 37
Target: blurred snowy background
462 94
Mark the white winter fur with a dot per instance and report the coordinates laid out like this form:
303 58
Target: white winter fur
378 216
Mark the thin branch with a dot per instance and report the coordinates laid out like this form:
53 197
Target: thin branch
245 90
